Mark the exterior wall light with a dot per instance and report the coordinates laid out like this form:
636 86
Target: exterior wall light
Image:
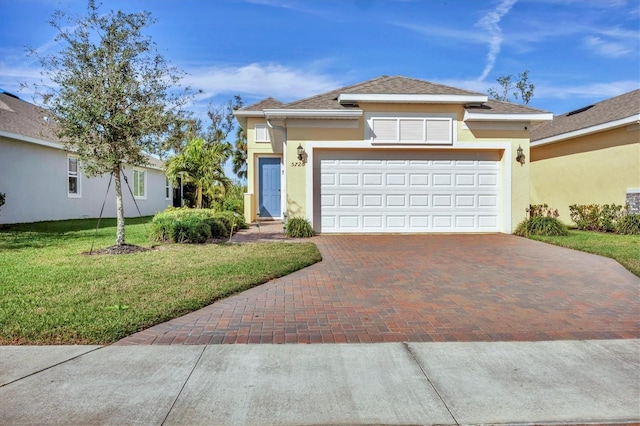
300 150
520 158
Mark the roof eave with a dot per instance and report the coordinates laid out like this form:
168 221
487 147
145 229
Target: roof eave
634 119
313 113
532 118
350 98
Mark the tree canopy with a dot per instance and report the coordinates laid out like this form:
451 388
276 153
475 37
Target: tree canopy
524 89
115 98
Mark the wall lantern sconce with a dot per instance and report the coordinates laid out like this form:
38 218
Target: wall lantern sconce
520 155
300 150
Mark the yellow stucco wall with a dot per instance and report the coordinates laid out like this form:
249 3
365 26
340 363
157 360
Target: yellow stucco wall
593 169
296 173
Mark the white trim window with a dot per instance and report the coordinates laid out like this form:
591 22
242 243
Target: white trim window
73 177
411 130
139 183
167 188
262 133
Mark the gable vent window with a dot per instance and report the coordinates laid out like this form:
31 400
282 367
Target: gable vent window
262 133
412 130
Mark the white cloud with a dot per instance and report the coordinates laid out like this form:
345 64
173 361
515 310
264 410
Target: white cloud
590 90
259 81
490 23
606 48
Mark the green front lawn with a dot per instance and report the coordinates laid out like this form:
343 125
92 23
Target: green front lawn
50 293
623 248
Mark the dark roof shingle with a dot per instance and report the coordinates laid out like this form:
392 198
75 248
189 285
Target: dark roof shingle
612 109
26 119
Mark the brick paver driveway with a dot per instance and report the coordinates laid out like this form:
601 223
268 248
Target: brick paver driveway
389 288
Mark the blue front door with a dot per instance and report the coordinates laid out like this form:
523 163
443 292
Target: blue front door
269 183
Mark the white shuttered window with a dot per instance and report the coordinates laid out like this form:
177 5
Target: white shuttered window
412 130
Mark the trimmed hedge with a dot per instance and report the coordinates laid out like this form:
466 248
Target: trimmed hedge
185 225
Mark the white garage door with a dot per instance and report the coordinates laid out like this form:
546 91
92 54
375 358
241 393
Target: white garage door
415 191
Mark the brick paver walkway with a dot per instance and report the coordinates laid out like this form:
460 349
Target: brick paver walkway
419 288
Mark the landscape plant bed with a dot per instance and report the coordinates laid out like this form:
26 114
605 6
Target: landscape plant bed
51 293
623 248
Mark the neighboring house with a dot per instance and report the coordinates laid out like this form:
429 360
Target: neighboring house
589 156
42 181
392 154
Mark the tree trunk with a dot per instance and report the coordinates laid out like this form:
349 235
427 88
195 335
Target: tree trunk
119 208
199 197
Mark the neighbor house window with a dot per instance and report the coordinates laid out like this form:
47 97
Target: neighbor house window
139 183
167 188
262 133
73 177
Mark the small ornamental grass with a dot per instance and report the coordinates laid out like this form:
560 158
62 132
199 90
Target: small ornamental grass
298 227
542 221
186 225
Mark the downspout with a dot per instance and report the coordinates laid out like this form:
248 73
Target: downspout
283 197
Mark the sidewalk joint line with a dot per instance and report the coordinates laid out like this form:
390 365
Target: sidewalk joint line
415 358
51 366
184 385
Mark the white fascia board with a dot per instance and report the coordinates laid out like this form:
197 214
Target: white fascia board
312 113
409 98
479 116
634 119
240 113
29 139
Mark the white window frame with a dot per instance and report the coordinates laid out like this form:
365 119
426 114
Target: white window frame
259 128
136 189
167 188
425 119
70 174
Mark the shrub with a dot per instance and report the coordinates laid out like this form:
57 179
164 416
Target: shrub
185 225
541 225
629 224
218 227
233 205
298 227
596 217
3 197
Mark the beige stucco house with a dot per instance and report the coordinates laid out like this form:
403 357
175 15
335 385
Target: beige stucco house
589 156
42 181
392 154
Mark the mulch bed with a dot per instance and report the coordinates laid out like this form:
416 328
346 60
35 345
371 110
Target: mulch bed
118 249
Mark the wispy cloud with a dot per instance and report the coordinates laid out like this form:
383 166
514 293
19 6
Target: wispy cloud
589 90
490 23
439 33
606 48
260 80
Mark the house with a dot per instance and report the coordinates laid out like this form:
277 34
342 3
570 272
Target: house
42 181
392 154
589 156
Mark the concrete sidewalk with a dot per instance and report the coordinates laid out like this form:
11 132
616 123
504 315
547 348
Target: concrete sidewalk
595 381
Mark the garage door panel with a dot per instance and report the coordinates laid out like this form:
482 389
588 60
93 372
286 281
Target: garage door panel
374 191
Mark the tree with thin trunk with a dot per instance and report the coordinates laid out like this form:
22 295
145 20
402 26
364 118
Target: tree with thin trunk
114 98
199 162
524 89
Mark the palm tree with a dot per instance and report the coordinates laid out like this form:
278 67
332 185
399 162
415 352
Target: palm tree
201 164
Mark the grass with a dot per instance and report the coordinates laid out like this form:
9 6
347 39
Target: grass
51 293
623 248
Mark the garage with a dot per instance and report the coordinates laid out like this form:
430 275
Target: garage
374 191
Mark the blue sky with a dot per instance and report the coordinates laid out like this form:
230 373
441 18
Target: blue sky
577 51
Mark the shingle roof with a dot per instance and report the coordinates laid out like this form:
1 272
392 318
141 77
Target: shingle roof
390 85
385 85
497 107
23 118
263 104
619 107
